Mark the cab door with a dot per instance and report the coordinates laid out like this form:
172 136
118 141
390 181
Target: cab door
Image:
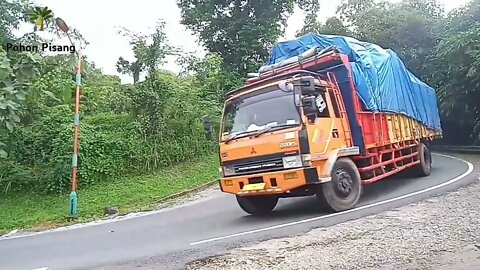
330 128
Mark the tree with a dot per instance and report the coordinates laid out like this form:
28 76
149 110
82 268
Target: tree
455 70
125 128
149 52
210 78
21 91
457 75
15 78
431 8
13 13
350 11
52 87
130 68
241 32
332 26
410 28
41 17
311 23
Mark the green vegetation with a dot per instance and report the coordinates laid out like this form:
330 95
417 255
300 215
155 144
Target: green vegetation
126 193
134 136
130 135
241 32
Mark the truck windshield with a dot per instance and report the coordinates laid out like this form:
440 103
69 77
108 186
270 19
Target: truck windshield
259 111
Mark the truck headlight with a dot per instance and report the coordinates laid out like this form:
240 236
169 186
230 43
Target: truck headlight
292 162
228 171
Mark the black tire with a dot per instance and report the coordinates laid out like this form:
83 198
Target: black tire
257 205
345 189
425 156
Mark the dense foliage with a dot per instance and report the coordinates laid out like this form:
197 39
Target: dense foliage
155 122
125 129
241 32
442 49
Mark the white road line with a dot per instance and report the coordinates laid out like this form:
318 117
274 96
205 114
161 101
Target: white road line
41 268
470 169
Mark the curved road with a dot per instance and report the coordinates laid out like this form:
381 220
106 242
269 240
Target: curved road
169 239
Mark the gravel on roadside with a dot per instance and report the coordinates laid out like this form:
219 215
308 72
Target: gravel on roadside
442 232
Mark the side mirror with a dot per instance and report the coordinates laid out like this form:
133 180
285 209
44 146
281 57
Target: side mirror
308 85
309 108
207 127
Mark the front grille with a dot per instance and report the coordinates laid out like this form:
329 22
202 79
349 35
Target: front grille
264 165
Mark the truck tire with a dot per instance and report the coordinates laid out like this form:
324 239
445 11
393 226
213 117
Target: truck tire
257 205
345 189
425 156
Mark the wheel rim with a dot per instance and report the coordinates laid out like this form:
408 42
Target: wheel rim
343 184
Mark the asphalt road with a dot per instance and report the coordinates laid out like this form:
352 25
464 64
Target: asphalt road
169 239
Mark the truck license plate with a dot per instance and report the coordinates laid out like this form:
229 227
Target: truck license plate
251 187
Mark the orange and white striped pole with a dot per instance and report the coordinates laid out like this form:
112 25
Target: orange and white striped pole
76 121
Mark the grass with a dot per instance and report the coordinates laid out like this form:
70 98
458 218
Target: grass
128 194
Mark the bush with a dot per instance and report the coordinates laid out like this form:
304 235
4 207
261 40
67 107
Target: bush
106 143
110 145
133 130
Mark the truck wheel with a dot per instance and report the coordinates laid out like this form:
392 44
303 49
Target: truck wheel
257 205
425 167
345 189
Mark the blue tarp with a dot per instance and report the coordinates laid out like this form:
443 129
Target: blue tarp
381 79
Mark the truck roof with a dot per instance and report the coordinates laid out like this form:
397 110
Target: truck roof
249 88
288 69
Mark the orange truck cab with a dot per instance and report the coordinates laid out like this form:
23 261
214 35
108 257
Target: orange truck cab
265 148
299 133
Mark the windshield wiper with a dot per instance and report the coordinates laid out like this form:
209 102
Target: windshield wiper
238 135
272 128
258 132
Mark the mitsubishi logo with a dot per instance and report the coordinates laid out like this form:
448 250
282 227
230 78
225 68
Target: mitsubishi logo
253 151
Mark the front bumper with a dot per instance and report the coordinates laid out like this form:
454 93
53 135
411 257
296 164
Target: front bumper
277 182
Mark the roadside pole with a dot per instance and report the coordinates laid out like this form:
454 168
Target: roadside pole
76 121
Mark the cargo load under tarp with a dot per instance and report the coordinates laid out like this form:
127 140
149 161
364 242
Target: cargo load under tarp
381 79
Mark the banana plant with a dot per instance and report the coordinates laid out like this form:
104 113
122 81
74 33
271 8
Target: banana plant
41 17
